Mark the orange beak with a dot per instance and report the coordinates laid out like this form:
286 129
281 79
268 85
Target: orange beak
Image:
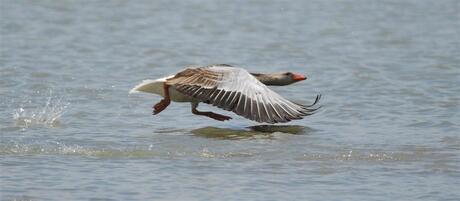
298 77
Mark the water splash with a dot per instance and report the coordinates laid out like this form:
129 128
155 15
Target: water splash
47 115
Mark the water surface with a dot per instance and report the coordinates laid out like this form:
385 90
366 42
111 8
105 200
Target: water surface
388 128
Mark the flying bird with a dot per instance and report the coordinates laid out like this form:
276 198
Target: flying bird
232 89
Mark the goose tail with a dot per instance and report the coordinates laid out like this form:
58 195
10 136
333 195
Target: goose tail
147 86
150 86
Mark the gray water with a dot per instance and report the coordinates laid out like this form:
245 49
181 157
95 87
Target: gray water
388 129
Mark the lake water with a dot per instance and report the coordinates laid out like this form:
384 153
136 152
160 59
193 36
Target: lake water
388 129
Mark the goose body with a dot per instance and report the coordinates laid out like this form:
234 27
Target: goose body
156 87
230 88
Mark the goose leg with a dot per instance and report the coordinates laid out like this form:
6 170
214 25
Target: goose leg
160 106
213 115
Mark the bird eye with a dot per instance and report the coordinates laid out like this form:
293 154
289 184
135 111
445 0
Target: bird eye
288 73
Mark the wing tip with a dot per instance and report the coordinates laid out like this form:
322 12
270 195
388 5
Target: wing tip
310 109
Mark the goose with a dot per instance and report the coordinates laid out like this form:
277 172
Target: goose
232 89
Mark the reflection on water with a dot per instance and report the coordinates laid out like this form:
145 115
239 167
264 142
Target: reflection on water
291 129
252 132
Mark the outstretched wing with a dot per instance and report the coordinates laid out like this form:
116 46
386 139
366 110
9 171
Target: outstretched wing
234 89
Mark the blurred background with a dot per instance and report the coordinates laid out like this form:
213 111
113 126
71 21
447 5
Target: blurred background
388 128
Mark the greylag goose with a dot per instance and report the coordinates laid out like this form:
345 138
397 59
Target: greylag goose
232 89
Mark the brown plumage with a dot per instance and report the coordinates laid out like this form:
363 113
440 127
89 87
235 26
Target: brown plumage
234 89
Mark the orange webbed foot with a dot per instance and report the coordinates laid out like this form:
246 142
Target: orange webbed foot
157 108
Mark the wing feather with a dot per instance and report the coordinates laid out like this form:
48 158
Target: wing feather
234 89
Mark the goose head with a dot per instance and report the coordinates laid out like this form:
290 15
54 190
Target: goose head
279 79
